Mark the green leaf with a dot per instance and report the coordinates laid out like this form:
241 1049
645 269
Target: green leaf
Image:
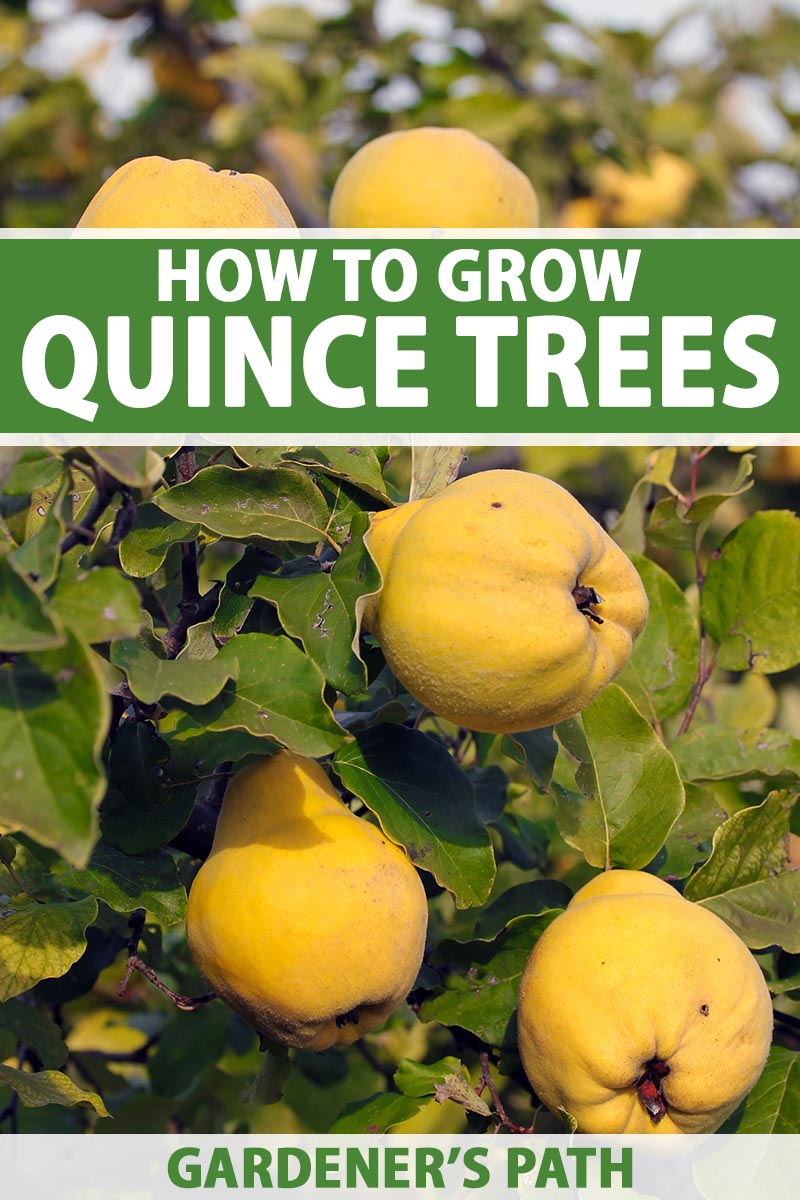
196 749
151 675
29 1024
749 703
34 469
25 621
49 1087
260 456
536 751
433 468
481 981
276 693
490 785
40 554
421 1079
662 669
280 505
629 529
320 609
377 1113
144 808
189 1044
358 465
235 602
693 829
763 913
54 716
124 883
98 605
750 846
520 902
424 803
631 794
137 466
144 549
713 752
676 525
40 941
783 974
773 1106
751 595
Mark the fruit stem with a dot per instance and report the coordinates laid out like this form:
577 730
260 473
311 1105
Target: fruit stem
585 597
649 1087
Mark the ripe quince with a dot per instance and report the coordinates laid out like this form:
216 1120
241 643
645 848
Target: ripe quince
656 196
640 1012
504 605
159 193
432 177
305 919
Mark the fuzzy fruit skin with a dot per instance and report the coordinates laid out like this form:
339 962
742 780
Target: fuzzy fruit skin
620 979
383 532
431 177
476 616
304 913
159 193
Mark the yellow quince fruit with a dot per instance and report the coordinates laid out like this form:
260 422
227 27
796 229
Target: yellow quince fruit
432 177
640 1012
504 605
159 193
305 919
634 199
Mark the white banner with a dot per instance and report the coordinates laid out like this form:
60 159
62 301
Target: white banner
139 1167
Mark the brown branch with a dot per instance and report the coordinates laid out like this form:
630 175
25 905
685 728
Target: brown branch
84 533
20 884
135 963
197 835
486 1080
184 1003
193 608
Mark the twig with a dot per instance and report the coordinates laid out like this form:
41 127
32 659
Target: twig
184 1003
192 607
190 613
20 884
486 1080
135 963
83 534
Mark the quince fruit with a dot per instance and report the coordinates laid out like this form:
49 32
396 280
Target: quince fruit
431 177
305 919
504 605
640 1012
634 199
157 193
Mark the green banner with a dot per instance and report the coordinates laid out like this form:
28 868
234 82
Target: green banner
663 337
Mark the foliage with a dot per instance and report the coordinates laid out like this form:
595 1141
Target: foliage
292 95
200 607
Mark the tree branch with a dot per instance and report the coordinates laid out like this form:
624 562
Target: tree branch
83 534
197 834
193 608
135 963
486 1080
